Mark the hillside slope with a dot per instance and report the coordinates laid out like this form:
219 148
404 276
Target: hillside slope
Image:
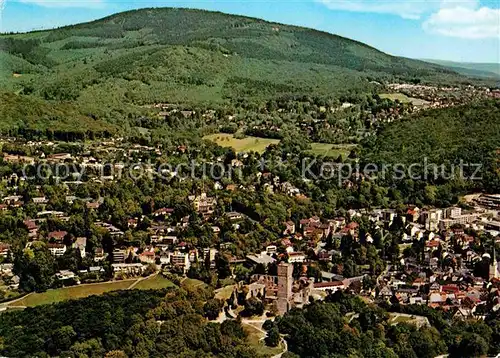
446 138
242 36
484 70
109 68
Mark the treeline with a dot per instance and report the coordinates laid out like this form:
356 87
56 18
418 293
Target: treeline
135 323
31 118
70 45
18 46
28 49
107 31
263 133
344 326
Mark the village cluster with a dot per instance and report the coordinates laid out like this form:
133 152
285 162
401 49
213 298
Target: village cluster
444 256
445 274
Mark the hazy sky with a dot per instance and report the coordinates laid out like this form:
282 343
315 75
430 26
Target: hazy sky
458 30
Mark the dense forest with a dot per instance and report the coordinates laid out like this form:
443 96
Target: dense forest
443 139
170 323
162 323
320 330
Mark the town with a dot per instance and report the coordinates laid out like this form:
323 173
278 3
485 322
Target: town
178 182
439 257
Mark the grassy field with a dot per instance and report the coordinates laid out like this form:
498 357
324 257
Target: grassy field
331 150
154 282
404 98
398 318
73 292
241 145
81 291
225 292
255 340
192 282
401 319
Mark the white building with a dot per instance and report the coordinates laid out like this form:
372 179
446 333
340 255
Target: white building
128 269
180 259
57 249
294 257
271 249
329 286
65 275
81 244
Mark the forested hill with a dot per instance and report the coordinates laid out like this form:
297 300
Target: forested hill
148 44
107 69
246 37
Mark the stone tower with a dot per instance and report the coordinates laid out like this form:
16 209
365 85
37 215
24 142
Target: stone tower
285 282
493 266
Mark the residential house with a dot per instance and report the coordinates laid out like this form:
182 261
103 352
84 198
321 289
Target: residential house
163 212
6 269
180 259
332 286
113 230
32 228
385 292
58 157
10 200
132 223
294 257
57 236
119 256
205 205
99 254
234 216
18 159
271 249
412 214
96 269
462 314
135 269
40 200
65 275
14 283
93 205
289 228
48 213
148 256
4 249
56 249
80 244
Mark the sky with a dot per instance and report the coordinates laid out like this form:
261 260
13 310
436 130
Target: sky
455 30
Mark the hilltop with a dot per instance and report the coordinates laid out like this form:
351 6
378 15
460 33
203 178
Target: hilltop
107 70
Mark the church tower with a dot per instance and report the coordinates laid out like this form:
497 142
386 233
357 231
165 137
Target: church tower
493 266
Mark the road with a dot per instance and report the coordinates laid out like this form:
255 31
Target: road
4 305
264 333
254 323
285 348
383 273
141 279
